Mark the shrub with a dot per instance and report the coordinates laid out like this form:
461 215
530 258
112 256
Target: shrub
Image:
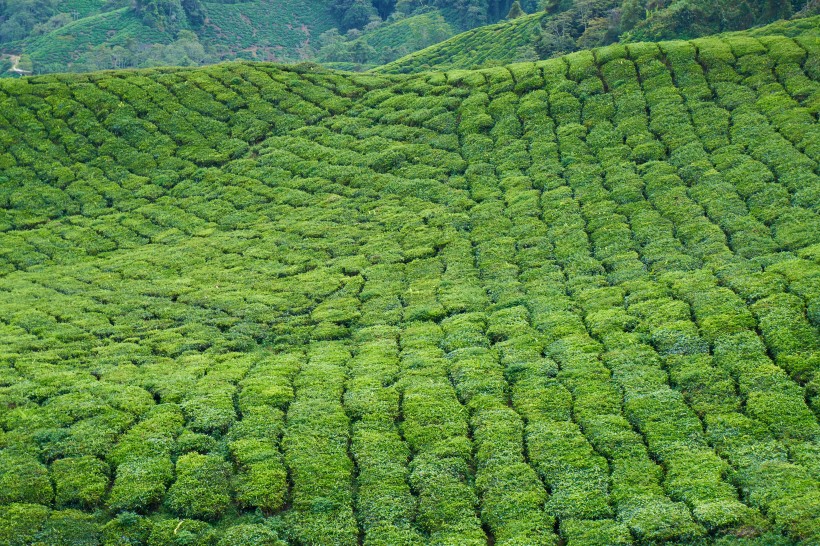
82 481
140 483
20 523
23 479
126 529
595 532
201 488
70 527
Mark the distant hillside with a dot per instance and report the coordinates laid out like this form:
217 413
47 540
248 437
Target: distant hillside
266 30
543 35
569 302
83 35
76 45
121 38
503 43
385 43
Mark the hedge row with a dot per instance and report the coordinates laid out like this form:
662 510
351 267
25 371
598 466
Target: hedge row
715 305
435 426
512 496
385 505
315 444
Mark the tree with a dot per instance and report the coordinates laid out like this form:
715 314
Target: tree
358 15
515 11
163 15
333 47
362 52
195 12
596 33
384 7
526 53
551 6
631 13
53 23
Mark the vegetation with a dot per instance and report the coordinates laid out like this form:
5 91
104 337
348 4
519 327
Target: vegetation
494 45
383 44
84 35
568 27
573 301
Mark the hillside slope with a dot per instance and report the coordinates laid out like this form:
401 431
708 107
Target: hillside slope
501 43
518 40
250 30
87 35
576 299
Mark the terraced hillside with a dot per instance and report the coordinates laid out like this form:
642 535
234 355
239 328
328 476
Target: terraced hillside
568 302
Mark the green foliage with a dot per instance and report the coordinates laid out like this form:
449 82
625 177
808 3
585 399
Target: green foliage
182 531
81 480
201 487
20 523
571 301
485 46
515 11
24 479
126 529
384 43
574 26
140 483
249 535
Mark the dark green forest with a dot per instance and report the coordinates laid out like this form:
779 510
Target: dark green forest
568 302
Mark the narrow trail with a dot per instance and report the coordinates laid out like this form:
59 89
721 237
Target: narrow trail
15 60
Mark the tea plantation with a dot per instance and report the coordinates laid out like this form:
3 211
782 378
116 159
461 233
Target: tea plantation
568 302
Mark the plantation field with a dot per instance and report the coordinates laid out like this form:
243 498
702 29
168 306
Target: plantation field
568 302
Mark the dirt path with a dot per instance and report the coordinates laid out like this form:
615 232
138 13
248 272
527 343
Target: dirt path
15 60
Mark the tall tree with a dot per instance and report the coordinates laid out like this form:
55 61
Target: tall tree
515 11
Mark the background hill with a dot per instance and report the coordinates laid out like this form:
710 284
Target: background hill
82 35
494 45
574 299
527 38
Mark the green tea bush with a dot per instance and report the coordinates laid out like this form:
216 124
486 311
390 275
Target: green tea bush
247 534
261 478
201 486
81 480
22 522
69 527
182 531
126 528
140 483
24 479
